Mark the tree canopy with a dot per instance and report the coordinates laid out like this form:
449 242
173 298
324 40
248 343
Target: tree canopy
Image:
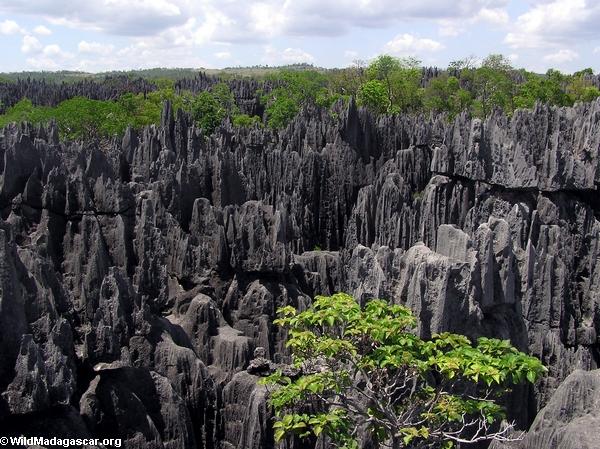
363 373
83 118
387 85
464 86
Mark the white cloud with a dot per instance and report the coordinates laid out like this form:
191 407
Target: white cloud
407 44
562 56
232 20
95 48
350 54
52 57
141 54
497 16
288 56
9 27
42 30
597 50
54 51
123 17
223 55
452 27
268 18
30 44
556 23
183 32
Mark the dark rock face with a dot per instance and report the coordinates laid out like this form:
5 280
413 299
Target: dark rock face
48 93
137 280
570 420
44 93
245 90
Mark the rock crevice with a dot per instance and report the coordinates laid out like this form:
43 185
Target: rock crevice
145 273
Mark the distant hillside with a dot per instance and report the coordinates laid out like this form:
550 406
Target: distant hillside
105 104
155 73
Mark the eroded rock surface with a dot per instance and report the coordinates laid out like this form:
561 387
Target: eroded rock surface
137 279
571 418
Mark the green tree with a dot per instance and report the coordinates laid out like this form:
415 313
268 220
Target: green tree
373 94
494 86
587 72
383 69
550 88
589 93
245 120
556 87
129 103
467 63
580 87
444 94
496 61
281 110
407 82
296 87
19 112
207 112
402 79
81 118
535 88
347 81
225 98
363 369
164 84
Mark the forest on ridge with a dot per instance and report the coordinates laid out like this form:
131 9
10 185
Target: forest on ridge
387 85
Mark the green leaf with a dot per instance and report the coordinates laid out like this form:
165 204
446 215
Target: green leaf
375 345
279 434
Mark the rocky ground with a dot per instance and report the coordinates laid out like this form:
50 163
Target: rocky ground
138 278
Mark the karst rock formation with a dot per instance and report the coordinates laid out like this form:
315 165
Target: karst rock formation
137 278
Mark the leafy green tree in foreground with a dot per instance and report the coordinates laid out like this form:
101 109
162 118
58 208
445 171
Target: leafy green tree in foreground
363 371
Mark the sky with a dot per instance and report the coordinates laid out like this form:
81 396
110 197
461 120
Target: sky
101 35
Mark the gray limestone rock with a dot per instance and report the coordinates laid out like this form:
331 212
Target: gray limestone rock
138 276
139 406
570 419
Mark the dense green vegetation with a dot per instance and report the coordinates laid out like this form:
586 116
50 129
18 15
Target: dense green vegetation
257 71
394 85
363 369
82 118
295 89
387 85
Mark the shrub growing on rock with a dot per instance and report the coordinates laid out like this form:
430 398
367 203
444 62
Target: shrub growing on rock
363 374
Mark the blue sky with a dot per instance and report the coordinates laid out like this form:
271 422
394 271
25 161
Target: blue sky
102 35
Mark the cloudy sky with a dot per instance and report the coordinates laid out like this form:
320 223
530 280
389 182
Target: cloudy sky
98 35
